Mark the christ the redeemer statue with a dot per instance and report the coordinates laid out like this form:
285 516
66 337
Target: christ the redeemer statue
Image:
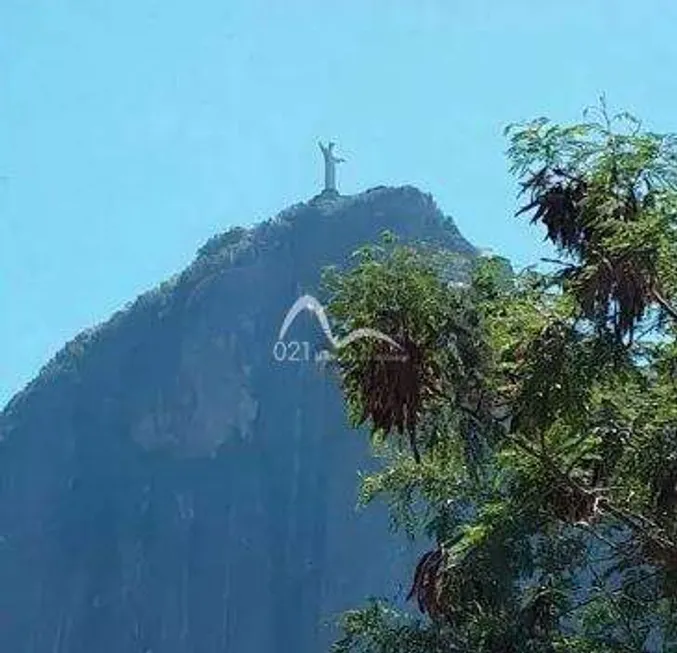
330 162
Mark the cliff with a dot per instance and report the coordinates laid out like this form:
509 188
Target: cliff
168 486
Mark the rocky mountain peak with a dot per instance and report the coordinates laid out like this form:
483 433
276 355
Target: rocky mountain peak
167 485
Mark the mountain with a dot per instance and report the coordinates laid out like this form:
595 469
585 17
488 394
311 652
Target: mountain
167 485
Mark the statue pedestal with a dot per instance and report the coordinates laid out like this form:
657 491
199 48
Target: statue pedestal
327 195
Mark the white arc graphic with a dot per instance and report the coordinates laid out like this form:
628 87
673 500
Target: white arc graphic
309 303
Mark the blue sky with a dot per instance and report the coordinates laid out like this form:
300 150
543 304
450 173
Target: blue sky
131 131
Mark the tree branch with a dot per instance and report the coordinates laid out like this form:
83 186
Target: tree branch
665 304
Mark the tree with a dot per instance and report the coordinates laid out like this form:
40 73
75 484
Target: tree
528 421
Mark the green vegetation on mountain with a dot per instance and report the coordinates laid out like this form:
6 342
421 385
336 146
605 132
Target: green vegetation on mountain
528 422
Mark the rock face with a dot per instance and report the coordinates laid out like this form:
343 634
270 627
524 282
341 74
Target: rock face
168 486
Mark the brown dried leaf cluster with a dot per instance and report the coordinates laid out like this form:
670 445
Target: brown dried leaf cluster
394 384
618 282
